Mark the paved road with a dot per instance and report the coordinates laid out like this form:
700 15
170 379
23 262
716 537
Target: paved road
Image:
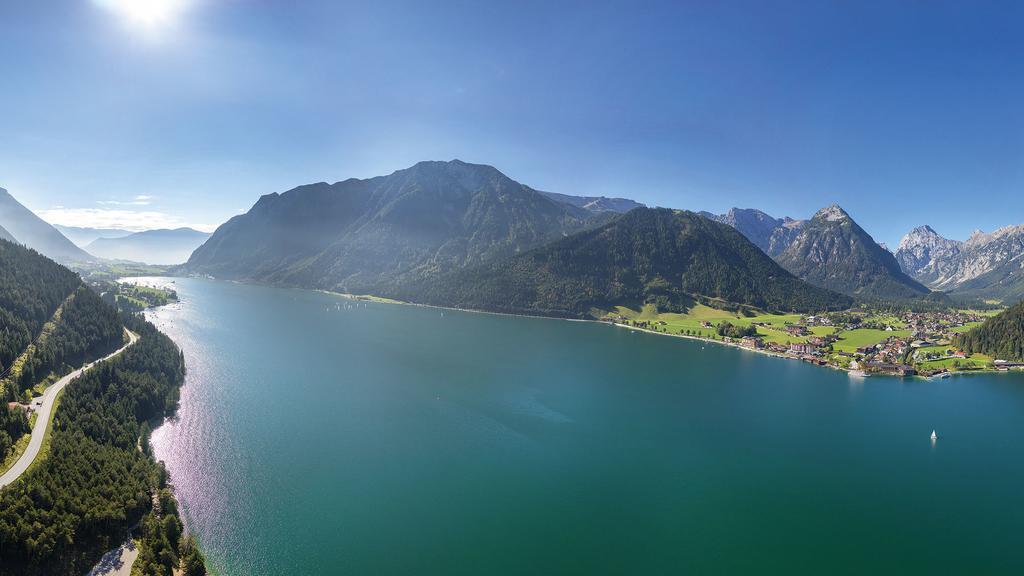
43 407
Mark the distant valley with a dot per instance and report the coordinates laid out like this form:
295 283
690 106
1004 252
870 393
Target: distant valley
82 237
162 247
85 248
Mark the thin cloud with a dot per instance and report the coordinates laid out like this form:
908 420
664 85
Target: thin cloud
131 220
140 200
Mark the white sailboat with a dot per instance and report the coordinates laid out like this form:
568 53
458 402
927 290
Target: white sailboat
934 436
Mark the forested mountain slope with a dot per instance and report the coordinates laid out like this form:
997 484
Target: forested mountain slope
32 287
50 323
75 504
91 482
51 320
1001 336
659 256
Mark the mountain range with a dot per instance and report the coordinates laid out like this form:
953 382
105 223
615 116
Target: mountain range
24 227
435 219
985 266
833 251
150 246
431 232
671 258
772 235
83 236
829 250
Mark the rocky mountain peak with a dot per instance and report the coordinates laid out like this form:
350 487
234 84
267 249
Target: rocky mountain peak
923 236
833 213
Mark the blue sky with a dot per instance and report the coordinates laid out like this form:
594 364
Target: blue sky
904 113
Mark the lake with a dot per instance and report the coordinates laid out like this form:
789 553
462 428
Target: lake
317 435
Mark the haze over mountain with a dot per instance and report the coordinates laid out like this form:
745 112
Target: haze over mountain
596 203
83 236
28 229
362 235
151 246
5 235
832 251
987 265
667 257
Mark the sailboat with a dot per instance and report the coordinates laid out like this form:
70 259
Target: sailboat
934 436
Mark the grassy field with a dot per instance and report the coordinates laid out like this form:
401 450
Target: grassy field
934 349
363 297
975 361
850 340
887 320
773 328
985 313
965 328
773 331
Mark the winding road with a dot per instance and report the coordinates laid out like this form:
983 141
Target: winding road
44 407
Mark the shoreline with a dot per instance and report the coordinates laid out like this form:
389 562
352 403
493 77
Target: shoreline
119 560
381 300
851 373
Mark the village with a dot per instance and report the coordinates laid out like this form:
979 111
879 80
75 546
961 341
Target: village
863 342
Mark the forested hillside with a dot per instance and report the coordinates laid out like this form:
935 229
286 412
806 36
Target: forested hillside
51 322
79 498
86 328
1001 336
95 483
32 287
665 257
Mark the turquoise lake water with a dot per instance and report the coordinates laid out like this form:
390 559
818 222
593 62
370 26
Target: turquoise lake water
387 439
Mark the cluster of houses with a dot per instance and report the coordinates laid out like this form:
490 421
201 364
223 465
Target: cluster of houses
894 355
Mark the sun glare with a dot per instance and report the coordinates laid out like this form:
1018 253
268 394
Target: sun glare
146 13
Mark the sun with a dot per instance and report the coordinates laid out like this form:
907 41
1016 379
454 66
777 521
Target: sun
146 13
